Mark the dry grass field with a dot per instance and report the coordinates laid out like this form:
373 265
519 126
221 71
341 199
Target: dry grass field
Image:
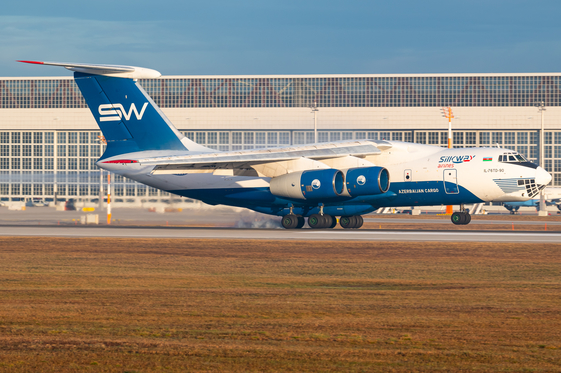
144 305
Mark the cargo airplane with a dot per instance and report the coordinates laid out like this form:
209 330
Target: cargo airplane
319 182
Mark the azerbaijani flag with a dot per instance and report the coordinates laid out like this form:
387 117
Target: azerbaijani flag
487 159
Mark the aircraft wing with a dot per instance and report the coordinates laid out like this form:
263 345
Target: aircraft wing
247 159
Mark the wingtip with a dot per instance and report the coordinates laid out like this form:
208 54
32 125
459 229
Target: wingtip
35 62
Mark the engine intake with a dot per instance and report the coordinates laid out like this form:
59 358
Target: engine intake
364 181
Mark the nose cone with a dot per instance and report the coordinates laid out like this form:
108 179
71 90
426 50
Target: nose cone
542 176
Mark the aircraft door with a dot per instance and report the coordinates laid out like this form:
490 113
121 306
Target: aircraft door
451 181
407 175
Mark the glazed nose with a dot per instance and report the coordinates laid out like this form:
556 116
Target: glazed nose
542 176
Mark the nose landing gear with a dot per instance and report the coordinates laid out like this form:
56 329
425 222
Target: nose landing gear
461 217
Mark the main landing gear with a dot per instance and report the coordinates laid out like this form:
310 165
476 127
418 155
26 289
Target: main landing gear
292 221
461 217
321 220
318 221
354 221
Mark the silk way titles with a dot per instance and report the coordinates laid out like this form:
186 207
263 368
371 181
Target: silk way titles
456 158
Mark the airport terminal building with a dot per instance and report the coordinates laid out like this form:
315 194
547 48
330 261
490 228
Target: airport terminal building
49 141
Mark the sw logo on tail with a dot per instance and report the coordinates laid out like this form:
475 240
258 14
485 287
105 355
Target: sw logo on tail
116 112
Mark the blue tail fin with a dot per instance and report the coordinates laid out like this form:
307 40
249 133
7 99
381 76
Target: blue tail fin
128 118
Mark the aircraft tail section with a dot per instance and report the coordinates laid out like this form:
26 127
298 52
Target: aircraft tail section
128 118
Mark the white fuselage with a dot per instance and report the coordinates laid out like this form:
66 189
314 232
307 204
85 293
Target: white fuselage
419 174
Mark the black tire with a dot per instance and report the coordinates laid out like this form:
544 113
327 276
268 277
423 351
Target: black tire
301 222
457 218
467 219
344 222
347 222
289 221
359 221
333 223
328 221
315 221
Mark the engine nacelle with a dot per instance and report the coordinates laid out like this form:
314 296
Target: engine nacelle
309 185
365 181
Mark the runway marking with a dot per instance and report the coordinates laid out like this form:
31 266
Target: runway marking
437 232
281 234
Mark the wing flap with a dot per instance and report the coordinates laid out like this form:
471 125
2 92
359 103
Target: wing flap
245 160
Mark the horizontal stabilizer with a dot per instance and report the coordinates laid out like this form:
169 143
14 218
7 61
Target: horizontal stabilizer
117 71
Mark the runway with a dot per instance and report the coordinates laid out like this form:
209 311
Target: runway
383 220
279 234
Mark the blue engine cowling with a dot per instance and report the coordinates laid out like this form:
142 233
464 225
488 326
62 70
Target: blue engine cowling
320 184
309 185
365 181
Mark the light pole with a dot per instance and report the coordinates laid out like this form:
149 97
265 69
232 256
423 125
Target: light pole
448 114
102 142
315 110
541 108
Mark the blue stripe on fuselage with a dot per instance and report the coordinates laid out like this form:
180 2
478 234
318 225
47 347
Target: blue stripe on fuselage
430 193
423 193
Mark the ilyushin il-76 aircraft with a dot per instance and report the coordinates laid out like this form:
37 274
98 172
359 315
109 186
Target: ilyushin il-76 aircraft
319 182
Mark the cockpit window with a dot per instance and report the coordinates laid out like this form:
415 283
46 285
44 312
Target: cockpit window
512 158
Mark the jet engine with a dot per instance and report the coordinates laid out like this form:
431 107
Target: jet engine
365 181
331 183
309 185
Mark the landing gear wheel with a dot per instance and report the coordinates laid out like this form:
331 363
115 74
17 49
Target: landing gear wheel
359 221
347 222
328 221
315 221
461 218
333 223
301 222
457 218
290 221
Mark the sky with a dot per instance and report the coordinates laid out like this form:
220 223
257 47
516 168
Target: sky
251 37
